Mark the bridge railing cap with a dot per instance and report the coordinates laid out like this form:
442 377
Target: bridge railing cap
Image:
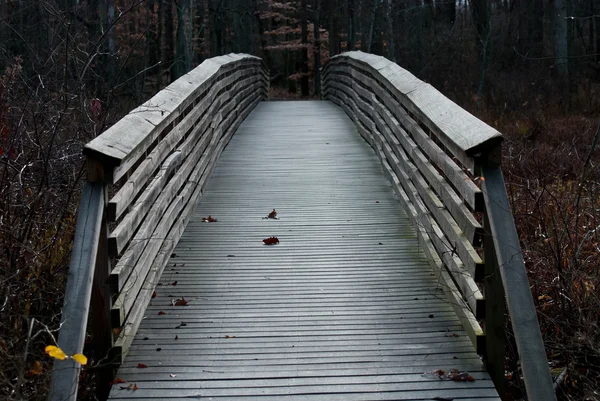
122 143
458 129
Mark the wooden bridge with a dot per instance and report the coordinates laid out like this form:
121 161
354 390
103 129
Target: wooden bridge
395 253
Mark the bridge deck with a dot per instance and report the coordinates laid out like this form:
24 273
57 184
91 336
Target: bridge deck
344 308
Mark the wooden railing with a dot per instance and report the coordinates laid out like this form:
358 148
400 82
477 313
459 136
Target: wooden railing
444 165
154 164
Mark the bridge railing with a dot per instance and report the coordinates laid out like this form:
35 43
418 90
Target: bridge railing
444 165
145 175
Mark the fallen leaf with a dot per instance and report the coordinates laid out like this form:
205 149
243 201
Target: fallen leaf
162 313
177 337
56 352
36 368
135 387
209 219
154 294
142 366
181 302
118 380
271 241
272 215
462 377
174 283
82 359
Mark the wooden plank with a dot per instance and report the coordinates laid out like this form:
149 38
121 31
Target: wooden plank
120 152
444 248
455 298
467 189
138 179
528 338
122 234
462 133
147 288
65 374
329 305
495 320
457 241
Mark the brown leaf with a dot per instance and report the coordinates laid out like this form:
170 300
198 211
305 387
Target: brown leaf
272 215
118 380
36 369
462 377
142 366
135 387
271 241
181 302
162 313
177 337
174 283
209 219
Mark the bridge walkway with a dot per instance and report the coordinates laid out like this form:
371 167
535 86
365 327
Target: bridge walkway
345 307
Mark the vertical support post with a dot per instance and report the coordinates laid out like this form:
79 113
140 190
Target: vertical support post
101 302
494 322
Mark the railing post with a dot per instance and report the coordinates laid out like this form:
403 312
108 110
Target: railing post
494 322
65 374
493 290
101 302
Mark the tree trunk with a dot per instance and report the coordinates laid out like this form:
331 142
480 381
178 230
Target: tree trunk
561 47
169 41
391 52
351 42
334 39
317 47
181 61
372 25
446 11
190 37
304 27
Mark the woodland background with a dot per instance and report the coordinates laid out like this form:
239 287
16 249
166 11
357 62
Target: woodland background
530 68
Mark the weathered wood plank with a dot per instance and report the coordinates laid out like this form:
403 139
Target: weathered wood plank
467 189
530 344
124 231
462 133
132 306
65 374
119 152
344 306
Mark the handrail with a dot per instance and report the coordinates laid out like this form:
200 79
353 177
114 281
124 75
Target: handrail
157 159
444 165
65 374
530 345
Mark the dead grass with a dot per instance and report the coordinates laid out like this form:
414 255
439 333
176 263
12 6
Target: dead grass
552 175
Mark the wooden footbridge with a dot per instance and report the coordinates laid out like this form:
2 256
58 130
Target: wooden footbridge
396 246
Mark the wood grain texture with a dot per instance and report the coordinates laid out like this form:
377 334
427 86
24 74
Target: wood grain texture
447 236
345 307
519 300
133 268
148 286
462 133
65 374
122 145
